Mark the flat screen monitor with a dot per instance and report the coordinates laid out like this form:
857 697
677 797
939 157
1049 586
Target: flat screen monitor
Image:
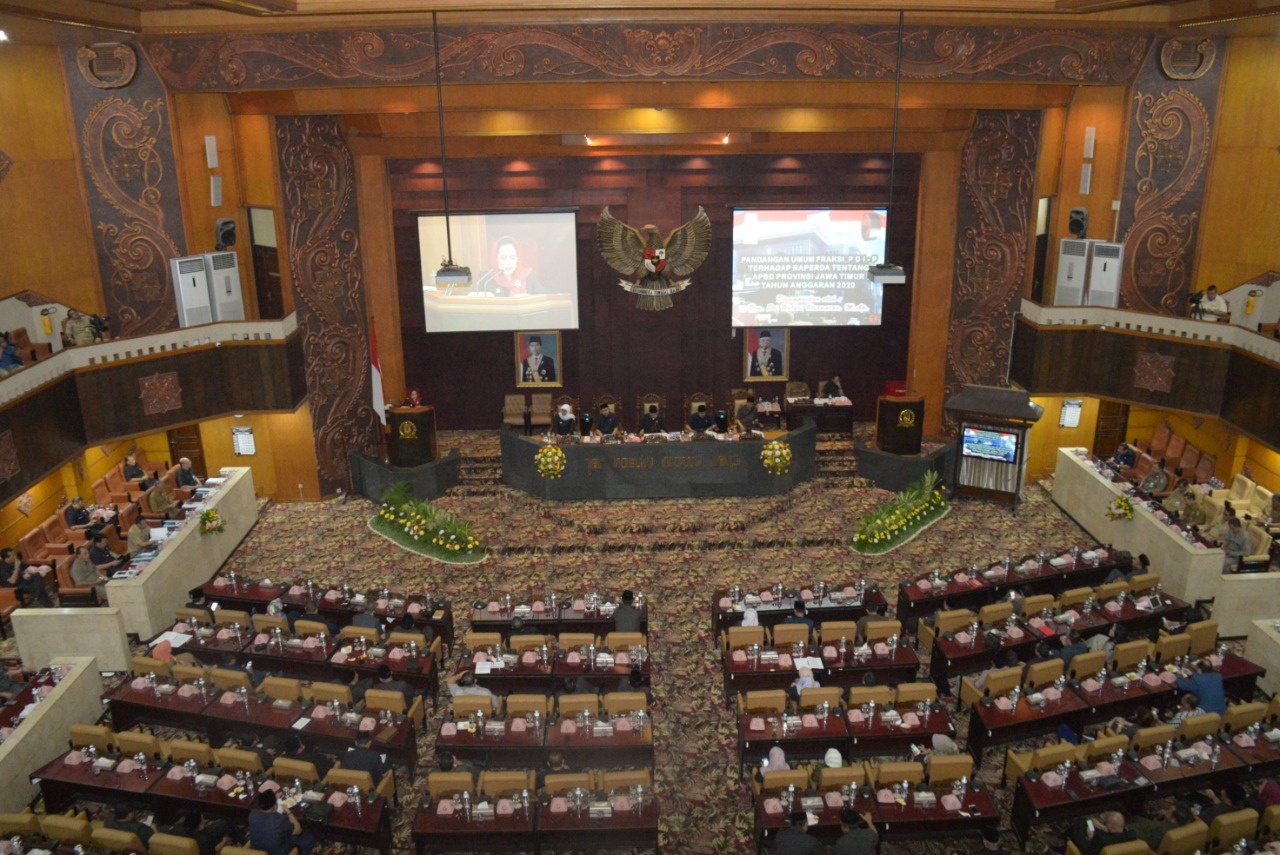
524 271
990 445
807 267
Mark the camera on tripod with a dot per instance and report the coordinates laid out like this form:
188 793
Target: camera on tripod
1194 302
101 325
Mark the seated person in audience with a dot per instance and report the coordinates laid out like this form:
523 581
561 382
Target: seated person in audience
799 614
78 328
1108 640
575 686
1004 659
160 502
27 582
364 620
804 680
627 618
85 575
700 421
465 684
1092 834
1127 567
747 417
879 613
1193 614
606 422
77 515
196 599
132 471
795 839
776 761
229 663
832 388
1193 512
1188 707
564 423
991 842
9 687
1176 502
1236 545
556 765
652 421
139 537
268 748
858 835
10 568
940 745
1156 481
1142 717
363 758
1207 685
1073 646
358 686
274 832
104 560
1232 797
1152 829
122 819
312 613
1125 455
1217 532
386 682
295 750
209 836
10 361
633 682
187 476
446 762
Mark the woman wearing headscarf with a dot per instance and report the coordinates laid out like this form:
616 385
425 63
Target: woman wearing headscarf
804 681
750 617
565 422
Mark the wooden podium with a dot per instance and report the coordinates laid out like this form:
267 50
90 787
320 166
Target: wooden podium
413 435
899 423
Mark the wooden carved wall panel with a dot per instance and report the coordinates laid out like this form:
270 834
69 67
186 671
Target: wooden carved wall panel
9 465
160 393
994 230
1170 132
620 51
318 176
126 145
1154 372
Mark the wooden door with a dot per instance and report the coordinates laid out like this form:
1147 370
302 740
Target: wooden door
185 442
266 278
1113 422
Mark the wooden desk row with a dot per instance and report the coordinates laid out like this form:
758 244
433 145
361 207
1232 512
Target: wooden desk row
535 830
564 618
725 612
899 665
528 748
545 678
872 736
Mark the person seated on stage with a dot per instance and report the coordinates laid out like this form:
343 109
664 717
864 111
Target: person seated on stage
139 537
209 836
556 765
747 418
123 819
606 422
1193 512
564 423
799 614
795 839
363 758
700 421
77 515
274 832
187 476
1176 502
832 388
1236 545
1207 686
160 502
295 750
28 584
1217 532
652 421
1155 482
1125 455
197 599
85 575
1092 835
132 471
104 560
465 684
626 617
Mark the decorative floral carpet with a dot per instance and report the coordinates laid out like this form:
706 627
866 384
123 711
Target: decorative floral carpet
677 552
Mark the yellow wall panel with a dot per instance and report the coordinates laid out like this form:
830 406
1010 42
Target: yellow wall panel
1046 437
285 455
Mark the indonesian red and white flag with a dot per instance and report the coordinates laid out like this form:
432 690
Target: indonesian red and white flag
379 400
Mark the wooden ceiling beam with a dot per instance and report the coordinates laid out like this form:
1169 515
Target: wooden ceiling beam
76 13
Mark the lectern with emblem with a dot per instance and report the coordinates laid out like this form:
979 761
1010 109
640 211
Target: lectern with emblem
899 423
413 435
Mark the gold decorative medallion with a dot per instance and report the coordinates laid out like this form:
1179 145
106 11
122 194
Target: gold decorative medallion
408 430
906 418
107 65
1181 60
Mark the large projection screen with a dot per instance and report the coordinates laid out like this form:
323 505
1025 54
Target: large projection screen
524 271
807 267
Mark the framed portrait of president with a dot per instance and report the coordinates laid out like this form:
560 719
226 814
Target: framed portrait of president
766 354
539 360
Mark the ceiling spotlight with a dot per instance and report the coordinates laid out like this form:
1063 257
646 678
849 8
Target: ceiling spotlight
588 139
725 140
4 37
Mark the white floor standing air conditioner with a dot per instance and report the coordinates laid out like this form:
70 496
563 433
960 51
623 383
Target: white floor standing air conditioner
1105 263
191 289
223 271
1073 272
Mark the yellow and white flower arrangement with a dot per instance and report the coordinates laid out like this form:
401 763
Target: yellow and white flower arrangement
550 461
776 457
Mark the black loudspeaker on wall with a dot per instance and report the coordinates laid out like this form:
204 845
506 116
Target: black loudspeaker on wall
225 232
1078 222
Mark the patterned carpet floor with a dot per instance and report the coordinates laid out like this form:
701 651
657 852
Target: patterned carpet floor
677 552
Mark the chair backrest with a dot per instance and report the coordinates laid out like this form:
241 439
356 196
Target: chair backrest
131 742
99 736
1142 583
812 698
571 705
1160 439
1189 460
473 639
620 703
574 640
616 641
1204 469
322 693
307 628
193 616
910 693
1185 839
832 631
281 688
1108 590
878 630
144 665
775 780
1035 603
1129 847
623 778
402 638
691 403
525 704
1128 653
771 700
189 673
993 613
514 405
1041 674
943 768
494 783
1228 828
283 769
227 617
1259 540
1087 664
241 850
368 633
182 750
238 759
1173 452
26 822
465 706
1002 681
383 699
1198 726
833 779
1104 746
344 778
1241 489
859 695
172 844
785 634
1270 822
1048 756
114 840
540 408
893 773
1170 647
1157 734
447 783
565 781
266 623
744 636
229 680
67 829
1074 597
652 398
521 643
1240 716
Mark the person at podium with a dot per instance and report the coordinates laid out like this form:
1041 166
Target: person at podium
700 420
606 421
537 367
509 278
652 421
565 423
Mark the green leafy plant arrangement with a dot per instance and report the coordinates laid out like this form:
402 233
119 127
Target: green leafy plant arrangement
421 527
904 516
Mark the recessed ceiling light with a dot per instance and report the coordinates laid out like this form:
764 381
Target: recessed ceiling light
4 37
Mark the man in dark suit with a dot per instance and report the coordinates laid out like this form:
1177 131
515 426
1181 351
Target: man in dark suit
626 617
362 758
537 368
766 360
652 421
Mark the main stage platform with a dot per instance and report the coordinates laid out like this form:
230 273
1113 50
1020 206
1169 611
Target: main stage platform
661 470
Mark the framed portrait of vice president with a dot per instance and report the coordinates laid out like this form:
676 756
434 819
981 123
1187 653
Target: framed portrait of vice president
539 360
